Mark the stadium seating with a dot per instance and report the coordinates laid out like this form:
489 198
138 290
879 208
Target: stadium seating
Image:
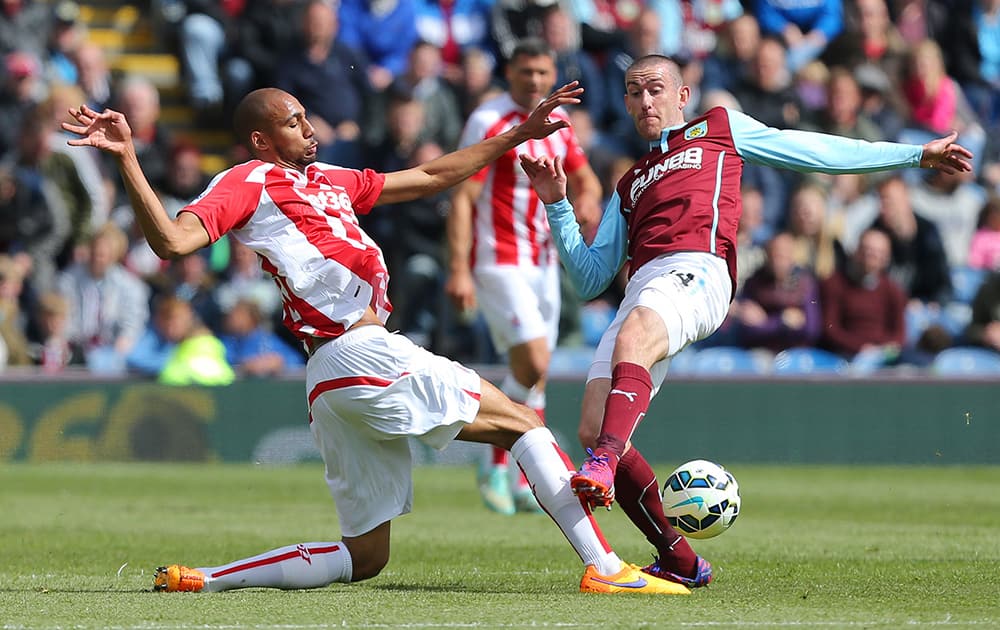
796 361
729 360
966 361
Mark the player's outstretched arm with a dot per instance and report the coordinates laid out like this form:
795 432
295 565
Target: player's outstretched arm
448 170
110 132
945 155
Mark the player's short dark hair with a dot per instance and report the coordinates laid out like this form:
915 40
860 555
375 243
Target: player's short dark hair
250 114
532 47
673 66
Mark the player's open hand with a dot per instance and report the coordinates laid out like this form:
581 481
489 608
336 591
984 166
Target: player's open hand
546 175
945 155
538 124
107 130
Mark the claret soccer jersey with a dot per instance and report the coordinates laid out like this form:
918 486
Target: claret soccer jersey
684 194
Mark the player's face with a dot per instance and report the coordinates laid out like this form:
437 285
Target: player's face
654 99
530 79
290 134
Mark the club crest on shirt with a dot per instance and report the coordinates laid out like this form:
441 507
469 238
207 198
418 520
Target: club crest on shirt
697 131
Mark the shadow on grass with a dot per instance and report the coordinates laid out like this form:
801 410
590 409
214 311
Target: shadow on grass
407 587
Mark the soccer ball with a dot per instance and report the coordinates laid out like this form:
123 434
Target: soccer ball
701 499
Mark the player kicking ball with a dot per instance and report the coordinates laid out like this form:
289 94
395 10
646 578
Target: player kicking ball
369 390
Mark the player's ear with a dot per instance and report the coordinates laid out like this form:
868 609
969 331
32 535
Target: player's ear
684 95
258 141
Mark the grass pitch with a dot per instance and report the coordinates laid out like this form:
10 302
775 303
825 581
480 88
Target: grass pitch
846 547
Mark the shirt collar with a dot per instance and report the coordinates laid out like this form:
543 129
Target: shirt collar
661 144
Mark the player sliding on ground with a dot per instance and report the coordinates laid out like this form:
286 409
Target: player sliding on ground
368 389
674 214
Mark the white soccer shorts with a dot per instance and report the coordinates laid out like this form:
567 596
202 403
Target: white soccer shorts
689 290
519 303
369 391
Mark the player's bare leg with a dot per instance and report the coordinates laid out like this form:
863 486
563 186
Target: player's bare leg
514 427
305 565
641 341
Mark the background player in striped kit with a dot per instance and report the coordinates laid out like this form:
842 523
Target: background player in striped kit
369 390
501 251
674 214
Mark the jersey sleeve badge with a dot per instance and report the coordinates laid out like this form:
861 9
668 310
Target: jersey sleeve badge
696 131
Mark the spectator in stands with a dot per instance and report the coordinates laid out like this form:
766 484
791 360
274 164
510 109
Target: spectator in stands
918 262
984 329
728 65
749 252
189 279
244 279
269 30
852 207
936 102
477 83
766 92
51 348
32 224
25 26
207 43
67 35
869 37
805 27
561 33
12 321
198 359
252 348
690 29
87 162
513 20
321 66
94 75
814 243
172 320
139 99
71 207
416 257
383 32
23 87
842 114
423 80
952 202
109 306
778 307
984 250
863 308
880 102
454 26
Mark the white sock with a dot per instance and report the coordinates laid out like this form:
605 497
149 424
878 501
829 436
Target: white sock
307 565
547 469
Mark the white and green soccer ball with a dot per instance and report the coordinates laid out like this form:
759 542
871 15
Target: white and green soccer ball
701 499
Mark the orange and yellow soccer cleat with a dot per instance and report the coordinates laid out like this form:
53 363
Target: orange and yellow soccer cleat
629 580
178 578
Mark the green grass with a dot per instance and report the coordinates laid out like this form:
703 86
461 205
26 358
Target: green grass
814 547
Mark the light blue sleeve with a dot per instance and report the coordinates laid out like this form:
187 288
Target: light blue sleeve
808 151
591 268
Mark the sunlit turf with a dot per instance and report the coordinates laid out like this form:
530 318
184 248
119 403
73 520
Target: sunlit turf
830 547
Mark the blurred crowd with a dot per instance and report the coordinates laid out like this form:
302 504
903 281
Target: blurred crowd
895 266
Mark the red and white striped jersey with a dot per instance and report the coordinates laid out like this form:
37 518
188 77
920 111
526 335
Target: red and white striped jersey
509 226
304 228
